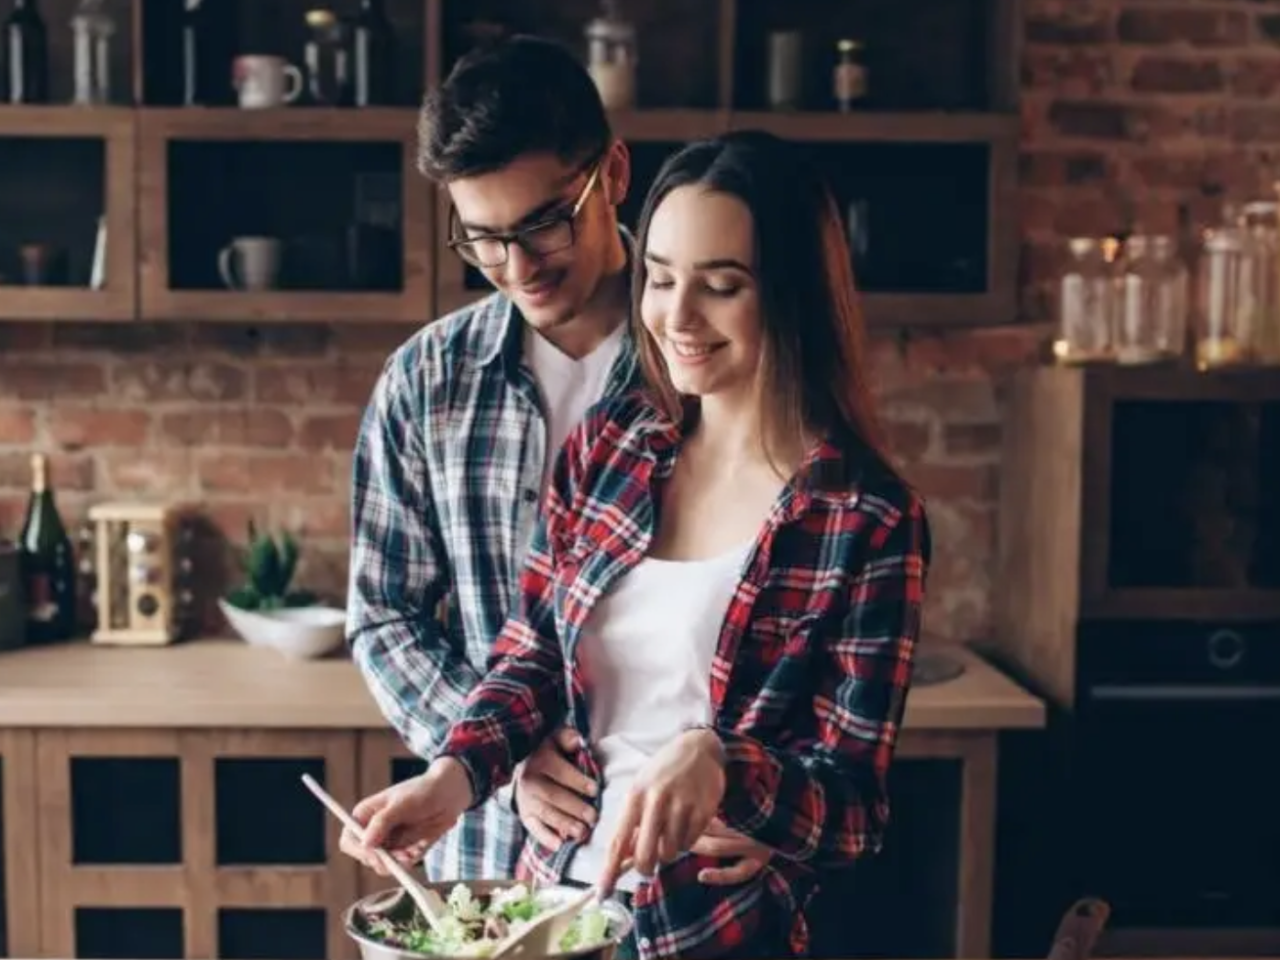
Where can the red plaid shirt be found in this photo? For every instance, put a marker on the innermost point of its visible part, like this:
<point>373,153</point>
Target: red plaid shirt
<point>808,684</point>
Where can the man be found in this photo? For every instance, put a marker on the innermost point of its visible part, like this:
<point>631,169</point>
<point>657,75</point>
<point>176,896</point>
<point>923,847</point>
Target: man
<point>464,423</point>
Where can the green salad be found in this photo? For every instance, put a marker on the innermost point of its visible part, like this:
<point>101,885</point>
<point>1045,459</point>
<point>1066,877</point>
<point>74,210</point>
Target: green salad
<point>476,923</point>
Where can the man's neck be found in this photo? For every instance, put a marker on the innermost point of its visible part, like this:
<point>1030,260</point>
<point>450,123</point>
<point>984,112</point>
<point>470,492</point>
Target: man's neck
<point>601,315</point>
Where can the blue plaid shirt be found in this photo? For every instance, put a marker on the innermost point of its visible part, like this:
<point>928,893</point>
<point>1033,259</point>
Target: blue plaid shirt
<point>447,483</point>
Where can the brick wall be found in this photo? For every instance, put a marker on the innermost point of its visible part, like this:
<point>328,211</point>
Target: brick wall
<point>1130,108</point>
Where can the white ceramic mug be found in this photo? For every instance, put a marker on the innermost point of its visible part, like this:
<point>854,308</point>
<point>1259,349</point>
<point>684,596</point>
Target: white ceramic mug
<point>264,81</point>
<point>250,263</point>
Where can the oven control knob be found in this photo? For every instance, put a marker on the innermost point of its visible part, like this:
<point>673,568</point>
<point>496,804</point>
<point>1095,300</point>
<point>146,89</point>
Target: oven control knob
<point>1226,649</point>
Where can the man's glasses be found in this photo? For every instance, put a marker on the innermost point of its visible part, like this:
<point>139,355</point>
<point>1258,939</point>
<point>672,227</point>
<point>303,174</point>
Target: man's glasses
<point>539,239</point>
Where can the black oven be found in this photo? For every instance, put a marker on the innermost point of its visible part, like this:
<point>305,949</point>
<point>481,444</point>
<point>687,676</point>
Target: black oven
<point>1178,772</point>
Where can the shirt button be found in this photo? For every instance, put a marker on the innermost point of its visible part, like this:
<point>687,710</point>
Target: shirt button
<point>529,495</point>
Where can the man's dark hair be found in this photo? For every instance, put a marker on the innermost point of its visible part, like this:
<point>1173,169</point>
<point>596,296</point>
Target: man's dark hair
<point>500,101</point>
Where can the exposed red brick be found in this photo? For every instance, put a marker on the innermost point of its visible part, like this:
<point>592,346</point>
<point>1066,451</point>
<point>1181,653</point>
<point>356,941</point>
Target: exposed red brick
<point>66,472</point>
<point>336,431</point>
<point>1062,168</point>
<point>264,473</point>
<point>971,439</point>
<point>17,425</point>
<point>1198,26</point>
<point>314,517</point>
<point>1073,24</point>
<point>1158,74</point>
<point>24,337</point>
<point>13,508</point>
<point>947,481</point>
<point>27,379</point>
<point>154,472</point>
<point>147,380</point>
<point>1069,71</point>
<point>246,427</point>
<point>907,439</point>
<point>94,427</point>
<point>1256,77</point>
<point>1251,124</point>
<point>310,383</point>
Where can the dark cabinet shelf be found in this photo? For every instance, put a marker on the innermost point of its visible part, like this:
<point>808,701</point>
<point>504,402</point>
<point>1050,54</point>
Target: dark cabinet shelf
<point>700,65</point>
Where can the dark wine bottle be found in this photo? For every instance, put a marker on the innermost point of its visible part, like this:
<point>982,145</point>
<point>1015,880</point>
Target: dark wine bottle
<point>26,55</point>
<point>372,48</point>
<point>48,563</point>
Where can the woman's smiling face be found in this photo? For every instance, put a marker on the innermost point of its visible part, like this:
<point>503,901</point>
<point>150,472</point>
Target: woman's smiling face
<point>700,300</point>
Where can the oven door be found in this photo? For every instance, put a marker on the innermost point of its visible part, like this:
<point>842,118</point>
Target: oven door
<point>1179,767</point>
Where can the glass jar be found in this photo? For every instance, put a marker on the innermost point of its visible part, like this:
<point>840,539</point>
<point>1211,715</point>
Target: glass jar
<point>326,59</point>
<point>849,80</point>
<point>1260,281</point>
<point>1087,301</point>
<point>1151,312</point>
<point>1220,335</point>
<point>612,57</point>
<point>92,29</point>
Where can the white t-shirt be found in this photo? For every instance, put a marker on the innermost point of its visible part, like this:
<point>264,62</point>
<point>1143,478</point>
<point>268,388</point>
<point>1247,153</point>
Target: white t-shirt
<point>568,387</point>
<point>648,647</point>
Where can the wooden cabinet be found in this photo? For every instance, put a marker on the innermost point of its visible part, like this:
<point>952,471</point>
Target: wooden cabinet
<point>183,843</point>
<point>925,169</point>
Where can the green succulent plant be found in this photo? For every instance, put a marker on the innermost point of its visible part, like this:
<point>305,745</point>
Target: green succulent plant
<point>269,566</point>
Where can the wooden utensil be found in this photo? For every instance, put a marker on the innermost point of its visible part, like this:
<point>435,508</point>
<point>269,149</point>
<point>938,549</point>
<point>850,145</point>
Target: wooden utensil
<point>428,901</point>
<point>541,936</point>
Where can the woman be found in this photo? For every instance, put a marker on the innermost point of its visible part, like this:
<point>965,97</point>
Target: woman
<point>724,597</point>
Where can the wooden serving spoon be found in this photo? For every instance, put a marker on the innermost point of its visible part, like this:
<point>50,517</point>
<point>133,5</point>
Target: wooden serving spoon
<point>430,903</point>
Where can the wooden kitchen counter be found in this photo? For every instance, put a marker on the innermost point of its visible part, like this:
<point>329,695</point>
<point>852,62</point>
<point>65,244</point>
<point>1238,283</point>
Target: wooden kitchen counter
<point>227,683</point>
<point>206,709</point>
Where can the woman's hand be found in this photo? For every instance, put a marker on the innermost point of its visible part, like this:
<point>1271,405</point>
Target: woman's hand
<point>670,805</point>
<point>723,842</point>
<point>408,817</point>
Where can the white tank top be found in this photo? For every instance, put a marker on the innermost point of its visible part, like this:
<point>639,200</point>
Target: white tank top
<point>646,652</point>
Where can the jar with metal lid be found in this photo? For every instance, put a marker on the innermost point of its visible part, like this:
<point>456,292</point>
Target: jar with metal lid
<point>1087,293</point>
<point>326,58</point>
<point>612,57</point>
<point>1151,313</point>
<point>849,80</point>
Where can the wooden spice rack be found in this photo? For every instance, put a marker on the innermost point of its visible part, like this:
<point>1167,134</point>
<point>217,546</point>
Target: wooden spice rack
<point>699,65</point>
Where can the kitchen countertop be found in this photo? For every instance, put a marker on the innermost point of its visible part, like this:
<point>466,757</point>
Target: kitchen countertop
<point>227,683</point>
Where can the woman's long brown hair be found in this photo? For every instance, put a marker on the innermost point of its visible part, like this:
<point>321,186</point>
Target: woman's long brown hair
<point>814,363</point>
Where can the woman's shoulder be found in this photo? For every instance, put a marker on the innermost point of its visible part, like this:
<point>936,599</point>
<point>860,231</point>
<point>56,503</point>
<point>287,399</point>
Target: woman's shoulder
<point>858,480</point>
<point>620,423</point>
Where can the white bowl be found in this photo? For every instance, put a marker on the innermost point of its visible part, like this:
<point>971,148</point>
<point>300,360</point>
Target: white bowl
<point>300,633</point>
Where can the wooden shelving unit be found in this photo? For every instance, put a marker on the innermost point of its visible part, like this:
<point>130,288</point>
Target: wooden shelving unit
<point>698,76</point>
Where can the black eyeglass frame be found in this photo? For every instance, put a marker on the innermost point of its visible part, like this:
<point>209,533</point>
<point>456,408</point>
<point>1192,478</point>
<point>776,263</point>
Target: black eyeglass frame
<point>520,236</point>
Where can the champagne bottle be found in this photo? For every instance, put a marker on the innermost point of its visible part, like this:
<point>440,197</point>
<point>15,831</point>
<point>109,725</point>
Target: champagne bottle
<point>48,564</point>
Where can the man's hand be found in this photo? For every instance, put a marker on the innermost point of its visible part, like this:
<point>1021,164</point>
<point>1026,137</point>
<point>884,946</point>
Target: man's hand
<point>550,792</point>
<point>720,841</point>
<point>410,816</point>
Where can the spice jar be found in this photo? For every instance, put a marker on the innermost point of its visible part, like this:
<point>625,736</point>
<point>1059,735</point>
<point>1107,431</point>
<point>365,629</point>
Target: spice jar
<point>611,57</point>
<point>849,80</point>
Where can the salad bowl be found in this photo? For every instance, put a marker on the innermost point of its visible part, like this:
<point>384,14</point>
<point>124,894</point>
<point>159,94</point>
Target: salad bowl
<point>377,922</point>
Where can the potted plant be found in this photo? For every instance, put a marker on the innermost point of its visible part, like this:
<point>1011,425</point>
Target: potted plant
<point>266,610</point>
